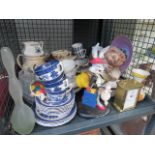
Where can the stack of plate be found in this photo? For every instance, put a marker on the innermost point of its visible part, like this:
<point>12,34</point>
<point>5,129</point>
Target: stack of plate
<point>59,106</point>
<point>52,114</point>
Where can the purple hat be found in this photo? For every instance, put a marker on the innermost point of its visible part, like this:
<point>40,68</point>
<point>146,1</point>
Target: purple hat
<point>123,43</point>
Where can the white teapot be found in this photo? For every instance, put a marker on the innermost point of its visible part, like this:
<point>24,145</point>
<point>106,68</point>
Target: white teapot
<point>32,48</point>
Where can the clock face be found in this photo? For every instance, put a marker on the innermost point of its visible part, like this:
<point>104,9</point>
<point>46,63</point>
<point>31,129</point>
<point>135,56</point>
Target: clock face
<point>131,98</point>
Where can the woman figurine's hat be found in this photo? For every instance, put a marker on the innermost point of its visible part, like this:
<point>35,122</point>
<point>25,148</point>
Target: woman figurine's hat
<point>123,43</point>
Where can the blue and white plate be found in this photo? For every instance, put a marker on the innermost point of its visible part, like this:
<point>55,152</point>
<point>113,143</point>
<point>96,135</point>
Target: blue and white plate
<point>54,115</point>
<point>55,111</point>
<point>52,123</point>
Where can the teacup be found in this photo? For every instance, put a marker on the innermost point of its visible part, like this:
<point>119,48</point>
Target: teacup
<point>49,71</point>
<point>64,105</point>
<point>81,53</point>
<point>48,103</point>
<point>77,47</point>
<point>58,96</point>
<point>54,81</point>
<point>58,86</point>
<point>78,50</point>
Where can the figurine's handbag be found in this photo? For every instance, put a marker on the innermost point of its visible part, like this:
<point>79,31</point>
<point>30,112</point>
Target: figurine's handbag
<point>89,99</point>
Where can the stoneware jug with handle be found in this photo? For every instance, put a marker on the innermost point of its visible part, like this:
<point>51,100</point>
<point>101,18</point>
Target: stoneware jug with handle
<point>32,48</point>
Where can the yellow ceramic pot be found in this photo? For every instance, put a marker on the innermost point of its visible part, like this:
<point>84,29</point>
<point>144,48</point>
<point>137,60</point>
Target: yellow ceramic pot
<point>82,80</point>
<point>140,73</point>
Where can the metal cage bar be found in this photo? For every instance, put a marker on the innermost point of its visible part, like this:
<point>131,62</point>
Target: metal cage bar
<point>61,34</point>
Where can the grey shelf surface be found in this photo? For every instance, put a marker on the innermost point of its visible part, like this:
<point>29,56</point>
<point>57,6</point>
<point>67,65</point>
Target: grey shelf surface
<point>79,124</point>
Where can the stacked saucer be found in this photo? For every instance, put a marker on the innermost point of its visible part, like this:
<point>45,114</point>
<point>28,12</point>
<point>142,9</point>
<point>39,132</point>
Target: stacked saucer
<point>59,106</point>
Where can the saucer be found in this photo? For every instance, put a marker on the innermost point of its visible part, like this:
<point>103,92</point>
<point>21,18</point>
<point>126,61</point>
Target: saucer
<point>54,115</point>
<point>51,123</point>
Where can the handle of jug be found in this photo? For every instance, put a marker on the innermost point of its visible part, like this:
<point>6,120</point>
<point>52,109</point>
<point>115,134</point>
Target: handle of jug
<point>19,60</point>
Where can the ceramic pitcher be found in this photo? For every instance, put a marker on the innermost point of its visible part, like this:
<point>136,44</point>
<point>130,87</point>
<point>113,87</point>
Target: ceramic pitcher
<point>32,48</point>
<point>27,63</point>
<point>32,54</point>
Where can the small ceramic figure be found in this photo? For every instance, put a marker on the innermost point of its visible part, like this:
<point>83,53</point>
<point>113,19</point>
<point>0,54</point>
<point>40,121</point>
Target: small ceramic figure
<point>95,50</point>
<point>97,59</point>
<point>104,94</point>
<point>98,71</point>
<point>37,89</point>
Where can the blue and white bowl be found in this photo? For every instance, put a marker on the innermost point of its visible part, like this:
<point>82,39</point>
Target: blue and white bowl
<point>57,96</point>
<point>49,103</point>
<point>57,86</point>
<point>53,114</point>
<point>53,123</point>
<point>55,81</point>
<point>55,110</point>
<point>49,71</point>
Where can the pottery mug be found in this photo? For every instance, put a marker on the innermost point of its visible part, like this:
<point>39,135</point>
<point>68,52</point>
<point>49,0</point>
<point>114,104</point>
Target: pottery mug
<point>28,62</point>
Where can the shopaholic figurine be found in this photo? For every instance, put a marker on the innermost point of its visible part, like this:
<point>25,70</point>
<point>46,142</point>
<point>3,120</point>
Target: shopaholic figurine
<point>37,89</point>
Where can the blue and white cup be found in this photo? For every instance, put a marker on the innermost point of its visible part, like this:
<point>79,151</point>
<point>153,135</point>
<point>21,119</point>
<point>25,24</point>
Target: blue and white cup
<point>58,96</point>
<point>49,71</point>
<point>78,50</point>
<point>57,87</point>
<point>49,103</point>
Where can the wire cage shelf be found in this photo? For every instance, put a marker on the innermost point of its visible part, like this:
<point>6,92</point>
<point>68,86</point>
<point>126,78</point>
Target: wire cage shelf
<point>61,34</point>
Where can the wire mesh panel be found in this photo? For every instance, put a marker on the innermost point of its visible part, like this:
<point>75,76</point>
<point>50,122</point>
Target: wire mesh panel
<point>56,34</point>
<point>141,33</point>
<point>87,31</point>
